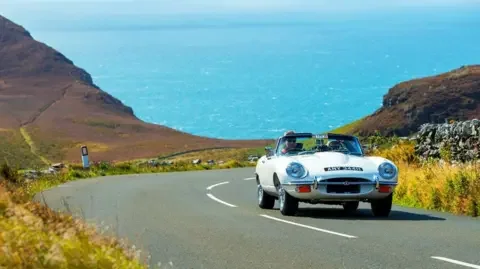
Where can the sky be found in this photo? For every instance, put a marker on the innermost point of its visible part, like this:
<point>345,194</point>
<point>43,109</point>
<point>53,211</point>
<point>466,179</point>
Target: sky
<point>52,14</point>
<point>75,7</point>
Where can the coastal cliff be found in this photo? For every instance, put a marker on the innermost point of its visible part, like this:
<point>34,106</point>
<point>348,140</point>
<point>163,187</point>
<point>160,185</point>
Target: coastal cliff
<point>49,108</point>
<point>452,95</point>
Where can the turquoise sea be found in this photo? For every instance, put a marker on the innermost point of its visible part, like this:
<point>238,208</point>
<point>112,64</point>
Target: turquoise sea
<point>254,76</point>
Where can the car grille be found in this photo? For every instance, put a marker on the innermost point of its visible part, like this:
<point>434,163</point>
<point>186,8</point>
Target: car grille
<point>343,188</point>
<point>342,184</point>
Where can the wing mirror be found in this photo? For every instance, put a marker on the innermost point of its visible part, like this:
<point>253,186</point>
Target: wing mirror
<point>268,151</point>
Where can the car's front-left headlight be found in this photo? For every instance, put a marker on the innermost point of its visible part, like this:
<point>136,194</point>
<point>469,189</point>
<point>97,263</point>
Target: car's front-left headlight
<point>296,170</point>
<point>387,170</point>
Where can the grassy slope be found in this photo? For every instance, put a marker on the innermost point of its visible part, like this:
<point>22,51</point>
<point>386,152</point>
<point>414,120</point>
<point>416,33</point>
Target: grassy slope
<point>32,236</point>
<point>33,147</point>
<point>349,128</point>
<point>14,149</point>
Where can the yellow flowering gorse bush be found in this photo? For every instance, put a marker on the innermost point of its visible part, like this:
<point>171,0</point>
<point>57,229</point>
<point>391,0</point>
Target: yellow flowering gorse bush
<point>436,185</point>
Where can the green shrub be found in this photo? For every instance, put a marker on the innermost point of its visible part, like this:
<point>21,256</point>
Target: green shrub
<point>9,174</point>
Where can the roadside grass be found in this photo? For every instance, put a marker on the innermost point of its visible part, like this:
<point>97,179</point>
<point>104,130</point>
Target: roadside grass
<point>33,236</point>
<point>234,158</point>
<point>434,184</point>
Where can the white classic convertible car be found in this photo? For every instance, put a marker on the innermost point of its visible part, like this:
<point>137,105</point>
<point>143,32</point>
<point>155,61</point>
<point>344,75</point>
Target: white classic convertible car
<point>326,168</point>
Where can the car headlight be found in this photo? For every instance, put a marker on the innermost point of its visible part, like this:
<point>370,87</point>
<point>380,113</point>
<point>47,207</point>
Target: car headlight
<point>387,170</point>
<point>296,170</point>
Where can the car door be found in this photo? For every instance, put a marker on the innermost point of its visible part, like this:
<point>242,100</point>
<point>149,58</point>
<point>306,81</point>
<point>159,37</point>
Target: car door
<point>265,170</point>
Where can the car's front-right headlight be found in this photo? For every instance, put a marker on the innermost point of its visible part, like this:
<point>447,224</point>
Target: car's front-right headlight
<point>387,170</point>
<point>296,170</point>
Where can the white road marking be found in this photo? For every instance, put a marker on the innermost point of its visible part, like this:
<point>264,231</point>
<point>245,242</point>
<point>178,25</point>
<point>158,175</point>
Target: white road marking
<point>214,185</point>
<point>249,178</point>
<point>309,227</point>
<point>457,262</point>
<point>215,198</point>
<point>220,201</point>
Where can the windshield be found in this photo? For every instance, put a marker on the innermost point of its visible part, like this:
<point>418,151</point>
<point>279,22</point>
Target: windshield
<point>297,145</point>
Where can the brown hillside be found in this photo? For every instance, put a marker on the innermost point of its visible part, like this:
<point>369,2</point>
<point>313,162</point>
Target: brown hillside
<point>451,95</point>
<point>49,107</point>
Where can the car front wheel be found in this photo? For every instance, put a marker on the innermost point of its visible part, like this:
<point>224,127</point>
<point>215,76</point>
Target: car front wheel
<point>265,200</point>
<point>382,207</point>
<point>288,203</point>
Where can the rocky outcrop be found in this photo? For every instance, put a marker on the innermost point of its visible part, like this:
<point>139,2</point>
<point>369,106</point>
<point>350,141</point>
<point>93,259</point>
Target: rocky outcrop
<point>458,141</point>
<point>435,99</point>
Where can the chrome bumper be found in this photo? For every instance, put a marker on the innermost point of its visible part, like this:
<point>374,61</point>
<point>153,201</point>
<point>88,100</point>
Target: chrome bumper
<point>374,189</point>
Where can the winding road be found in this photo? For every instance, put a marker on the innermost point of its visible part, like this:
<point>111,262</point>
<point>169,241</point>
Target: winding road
<point>210,219</point>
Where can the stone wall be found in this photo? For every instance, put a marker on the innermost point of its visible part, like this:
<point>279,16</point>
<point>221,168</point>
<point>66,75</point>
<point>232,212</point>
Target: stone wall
<point>457,141</point>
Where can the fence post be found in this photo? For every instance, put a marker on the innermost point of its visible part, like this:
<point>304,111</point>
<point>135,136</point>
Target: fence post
<point>85,157</point>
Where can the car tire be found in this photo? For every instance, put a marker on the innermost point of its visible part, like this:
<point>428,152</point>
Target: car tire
<point>288,203</point>
<point>265,200</point>
<point>350,207</point>
<point>382,207</point>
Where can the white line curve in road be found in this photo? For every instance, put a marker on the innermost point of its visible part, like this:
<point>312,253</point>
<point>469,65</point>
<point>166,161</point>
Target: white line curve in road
<point>220,201</point>
<point>309,227</point>
<point>215,198</point>
<point>249,178</point>
<point>218,184</point>
<point>456,262</point>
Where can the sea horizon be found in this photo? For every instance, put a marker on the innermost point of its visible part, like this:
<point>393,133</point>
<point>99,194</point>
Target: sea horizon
<point>253,77</point>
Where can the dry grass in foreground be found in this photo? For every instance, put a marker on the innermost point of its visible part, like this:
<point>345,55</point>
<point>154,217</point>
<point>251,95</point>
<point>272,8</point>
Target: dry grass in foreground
<point>434,185</point>
<point>33,236</point>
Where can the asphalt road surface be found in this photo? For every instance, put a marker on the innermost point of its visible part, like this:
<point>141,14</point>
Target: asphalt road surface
<point>210,219</point>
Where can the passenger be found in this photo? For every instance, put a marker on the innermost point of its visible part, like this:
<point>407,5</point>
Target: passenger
<point>336,145</point>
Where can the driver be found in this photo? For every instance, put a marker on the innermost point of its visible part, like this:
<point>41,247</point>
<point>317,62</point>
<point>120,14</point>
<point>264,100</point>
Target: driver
<point>290,143</point>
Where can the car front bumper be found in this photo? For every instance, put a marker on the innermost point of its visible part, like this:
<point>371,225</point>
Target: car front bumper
<point>339,191</point>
